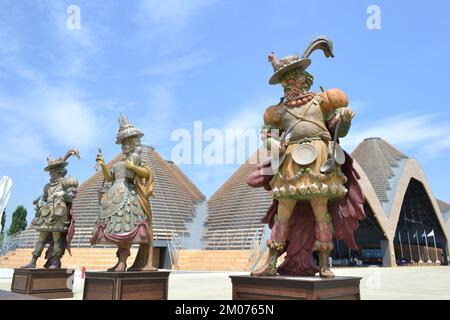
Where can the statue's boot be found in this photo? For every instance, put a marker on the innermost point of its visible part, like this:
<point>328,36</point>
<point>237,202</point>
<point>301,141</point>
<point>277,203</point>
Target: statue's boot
<point>325,271</point>
<point>36,254</point>
<point>324,246</point>
<point>112,269</point>
<point>276,245</point>
<point>32,263</point>
<point>139,261</point>
<point>270,266</point>
<point>144,257</point>
<point>54,262</point>
<point>148,266</point>
<point>123,254</point>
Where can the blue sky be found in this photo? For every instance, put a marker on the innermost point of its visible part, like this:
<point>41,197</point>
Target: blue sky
<point>166,64</point>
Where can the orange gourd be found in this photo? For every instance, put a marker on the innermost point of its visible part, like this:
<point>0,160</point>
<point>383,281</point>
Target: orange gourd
<point>272,116</point>
<point>333,98</point>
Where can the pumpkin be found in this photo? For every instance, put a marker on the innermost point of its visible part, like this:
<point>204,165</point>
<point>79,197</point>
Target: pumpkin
<point>333,98</point>
<point>272,116</point>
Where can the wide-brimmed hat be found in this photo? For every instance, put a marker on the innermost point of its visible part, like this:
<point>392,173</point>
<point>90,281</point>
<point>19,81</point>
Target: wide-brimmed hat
<point>62,161</point>
<point>127,130</point>
<point>286,64</point>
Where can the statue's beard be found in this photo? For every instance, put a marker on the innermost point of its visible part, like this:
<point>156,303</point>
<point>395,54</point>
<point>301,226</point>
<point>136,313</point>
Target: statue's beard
<point>55,179</point>
<point>293,91</point>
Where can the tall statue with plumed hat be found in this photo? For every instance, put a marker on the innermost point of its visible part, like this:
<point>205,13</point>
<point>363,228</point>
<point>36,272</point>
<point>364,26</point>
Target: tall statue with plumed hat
<point>316,195</point>
<point>125,216</point>
<point>55,219</point>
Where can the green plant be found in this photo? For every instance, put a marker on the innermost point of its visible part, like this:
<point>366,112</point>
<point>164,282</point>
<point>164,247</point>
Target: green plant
<point>19,220</point>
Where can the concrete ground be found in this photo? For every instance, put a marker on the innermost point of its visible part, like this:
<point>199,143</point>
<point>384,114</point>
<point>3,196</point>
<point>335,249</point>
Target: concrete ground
<point>402,283</point>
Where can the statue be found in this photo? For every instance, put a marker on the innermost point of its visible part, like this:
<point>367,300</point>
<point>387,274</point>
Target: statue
<point>54,214</point>
<point>314,186</point>
<point>125,216</point>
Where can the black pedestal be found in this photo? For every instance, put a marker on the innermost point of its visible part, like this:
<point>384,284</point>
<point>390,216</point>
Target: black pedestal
<point>45,283</point>
<point>128,285</point>
<point>297,288</point>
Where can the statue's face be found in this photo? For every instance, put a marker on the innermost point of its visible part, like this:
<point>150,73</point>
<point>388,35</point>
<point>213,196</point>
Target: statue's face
<point>58,172</point>
<point>127,146</point>
<point>130,144</point>
<point>293,79</point>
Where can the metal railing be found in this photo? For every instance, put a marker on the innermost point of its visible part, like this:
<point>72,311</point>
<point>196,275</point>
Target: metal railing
<point>229,239</point>
<point>174,245</point>
<point>254,242</point>
<point>256,255</point>
<point>10,243</point>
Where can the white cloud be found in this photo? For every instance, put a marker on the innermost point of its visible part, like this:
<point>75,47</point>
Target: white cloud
<point>39,116</point>
<point>45,118</point>
<point>19,143</point>
<point>428,134</point>
<point>250,115</point>
<point>74,47</point>
<point>171,15</point>
<point>169,25</point>
<point>246,123</point>
<point>180,64</point>
<point>72,122</point>
<point>157,116</point>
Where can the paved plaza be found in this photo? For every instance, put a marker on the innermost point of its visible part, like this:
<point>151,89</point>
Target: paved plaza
<point>402,283</point>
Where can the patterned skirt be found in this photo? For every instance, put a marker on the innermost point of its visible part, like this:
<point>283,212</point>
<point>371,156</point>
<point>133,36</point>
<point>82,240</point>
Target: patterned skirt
<point>305,182</point>
<point>121,218</point>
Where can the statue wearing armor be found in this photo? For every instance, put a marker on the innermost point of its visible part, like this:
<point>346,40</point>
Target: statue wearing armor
<point>54,215</point>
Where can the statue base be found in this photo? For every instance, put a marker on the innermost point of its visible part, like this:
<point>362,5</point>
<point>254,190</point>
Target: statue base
<point>295,288</point>
<point>128,285</point>
<point>44,283</point>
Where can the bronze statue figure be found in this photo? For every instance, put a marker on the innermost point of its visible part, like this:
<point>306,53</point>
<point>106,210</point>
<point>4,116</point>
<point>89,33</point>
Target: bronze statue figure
<point>125,216</point>
<point>54,214</point>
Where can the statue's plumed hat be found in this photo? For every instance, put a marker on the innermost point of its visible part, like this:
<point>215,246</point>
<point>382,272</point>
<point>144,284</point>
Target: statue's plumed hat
<point>286,64</point>
<point>62,161</point>
<point>127,130</point>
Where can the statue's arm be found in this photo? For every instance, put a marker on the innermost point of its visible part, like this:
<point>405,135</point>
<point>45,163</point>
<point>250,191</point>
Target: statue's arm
<point>38,203</point>
<point>70,190</point>
<point>106,172</point>
<point>44,196</point>
<point>141,171</point>
<point>272,125</point>
<point>334,104</point>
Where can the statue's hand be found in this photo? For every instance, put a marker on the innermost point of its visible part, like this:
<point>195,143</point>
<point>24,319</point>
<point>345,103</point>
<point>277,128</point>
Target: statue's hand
<point>284,145</point>
<point>34,222</point>
<point>347,114</point>
<point>100,160</point>
<point>36,201</point>
<point>129,164</point>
